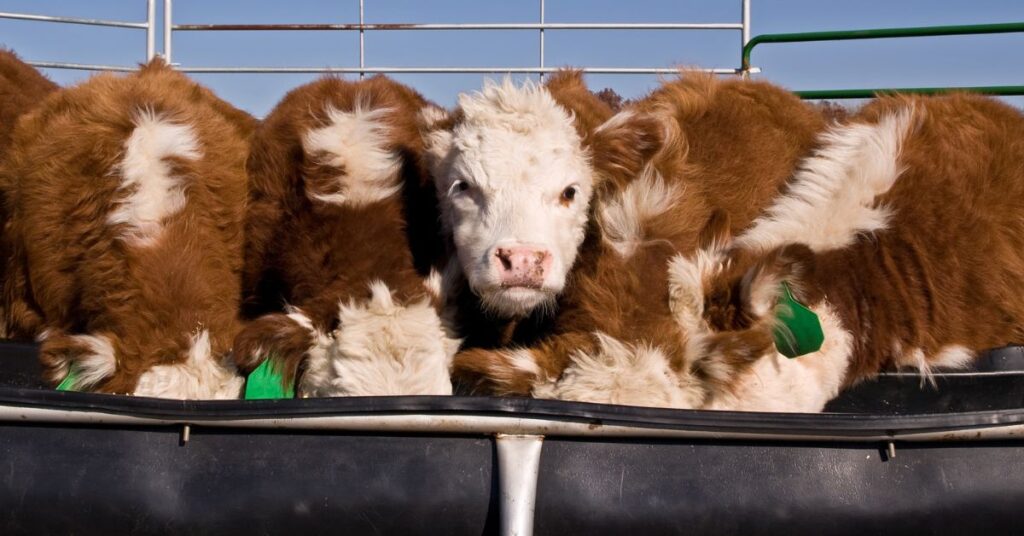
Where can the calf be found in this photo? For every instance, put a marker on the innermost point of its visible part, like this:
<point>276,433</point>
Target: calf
<point>516,229</point>
<point>22,88</point>
<point>616,204</point>
<point>126,197</point>
<point>341,235</point>
<point>902,232</point>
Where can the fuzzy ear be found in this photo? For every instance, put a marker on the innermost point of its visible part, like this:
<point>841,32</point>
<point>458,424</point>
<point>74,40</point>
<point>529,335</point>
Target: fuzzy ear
<point>761,285</point>
<point>623,146</point>
<point>748,288</point>
<point>435,125</point>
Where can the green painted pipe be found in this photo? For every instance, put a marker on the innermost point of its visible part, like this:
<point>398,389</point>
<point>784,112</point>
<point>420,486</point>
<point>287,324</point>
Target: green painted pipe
<point>882,33</point>
<point>870,93</point>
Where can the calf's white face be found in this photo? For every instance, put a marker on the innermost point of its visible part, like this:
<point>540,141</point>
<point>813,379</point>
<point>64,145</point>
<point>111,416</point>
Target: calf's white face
<point>514,183</point>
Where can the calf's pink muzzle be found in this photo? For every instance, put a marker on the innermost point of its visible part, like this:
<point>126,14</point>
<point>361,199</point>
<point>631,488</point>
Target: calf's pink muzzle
<point>521,266</point>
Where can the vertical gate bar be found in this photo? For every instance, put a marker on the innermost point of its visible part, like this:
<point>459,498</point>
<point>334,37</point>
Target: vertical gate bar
<point>168,28</point>
<point>150,29</point>
<point>362,46</point>
<point>745,69</point>
<point>542,41</point>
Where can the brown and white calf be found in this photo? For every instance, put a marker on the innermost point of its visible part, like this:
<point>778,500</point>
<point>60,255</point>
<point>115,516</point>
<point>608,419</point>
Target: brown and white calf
<point>22,88</point>
<point>644,183</point>
<point>902,231</point>
<point>126,197</point>
<point>341,239</point>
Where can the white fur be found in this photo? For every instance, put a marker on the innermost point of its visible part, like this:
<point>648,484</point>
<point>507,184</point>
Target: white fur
<point>518,151</point>
<point>200,376</point>
<point>153,192</point>
<point>949,357</point>
<point>355,141</point>
<point>381,348</point>
<point>832,197</point>
<point>299,317</point>
<point>623,218</point>
<point>522,359</point>
<point>95,366</point>
<point>803,384</point>
<point>430,116</point>
<point>617,373</point>
<point>953,357</point>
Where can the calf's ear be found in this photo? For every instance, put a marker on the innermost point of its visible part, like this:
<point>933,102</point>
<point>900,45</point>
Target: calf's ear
<point>435,125</point>
<point>623,145</point>
<point>761,286</point>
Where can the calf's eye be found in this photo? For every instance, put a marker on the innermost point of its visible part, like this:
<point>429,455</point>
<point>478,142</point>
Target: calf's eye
<point>458,187</point>
<point>569,194</point>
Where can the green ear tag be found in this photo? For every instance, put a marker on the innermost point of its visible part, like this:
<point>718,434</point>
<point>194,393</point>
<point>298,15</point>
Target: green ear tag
<point>800,332</point>
<point>69,381</point>
<point>266,383</point>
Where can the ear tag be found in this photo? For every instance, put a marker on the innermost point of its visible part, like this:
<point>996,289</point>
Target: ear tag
<point>69,381</point>
<point>800,331</point>
<point>266,383</point>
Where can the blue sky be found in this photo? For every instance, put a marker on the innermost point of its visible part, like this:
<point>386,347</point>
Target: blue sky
<point>943,61</point>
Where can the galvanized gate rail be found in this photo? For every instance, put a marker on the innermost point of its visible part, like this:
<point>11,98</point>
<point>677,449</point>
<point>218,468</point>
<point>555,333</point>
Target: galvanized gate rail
<point>170,29</point>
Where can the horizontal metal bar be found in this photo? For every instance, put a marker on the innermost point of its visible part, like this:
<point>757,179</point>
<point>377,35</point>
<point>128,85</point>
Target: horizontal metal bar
<point>81,66</point>
<point>870,93</point>
<point>492,424</point>
<point>467,26</point>
<point>447,70</point>
<point>73,20</point>
<point>880,33</point>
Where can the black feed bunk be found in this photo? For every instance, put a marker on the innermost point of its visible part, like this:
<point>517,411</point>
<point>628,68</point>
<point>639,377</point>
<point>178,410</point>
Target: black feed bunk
<point>888,456</point>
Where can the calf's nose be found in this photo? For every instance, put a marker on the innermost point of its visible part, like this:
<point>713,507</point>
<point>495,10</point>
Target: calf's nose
<point>521,266</point>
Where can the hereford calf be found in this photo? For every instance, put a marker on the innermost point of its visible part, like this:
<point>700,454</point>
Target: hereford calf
<point>22,88</point>
<point>341,237</point>
<point>615,203</point>
<point>126,197</point>
<point>903,232</point>
<point>491,308</point>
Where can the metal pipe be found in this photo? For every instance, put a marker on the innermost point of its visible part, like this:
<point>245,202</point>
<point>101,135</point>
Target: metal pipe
<point>871,93</point>
<point>484,424</point>
<point>880,33</point>
<point>362,45</point>
<point>746,22</point>
<point>441,70</point>
<point>72,20</point>
<point>518,465</point>
<point>542,39</point>
<point>168,29</point>
<point>745,36</point>
<point>150,29</point>
<point>467,26</point>
<point>81,66</point>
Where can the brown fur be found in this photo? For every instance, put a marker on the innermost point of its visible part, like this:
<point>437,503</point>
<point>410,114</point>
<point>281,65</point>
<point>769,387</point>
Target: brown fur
<point>313,255</point>
<point>22,88</point>
<point>71,271</point>
<point>728,146</point>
